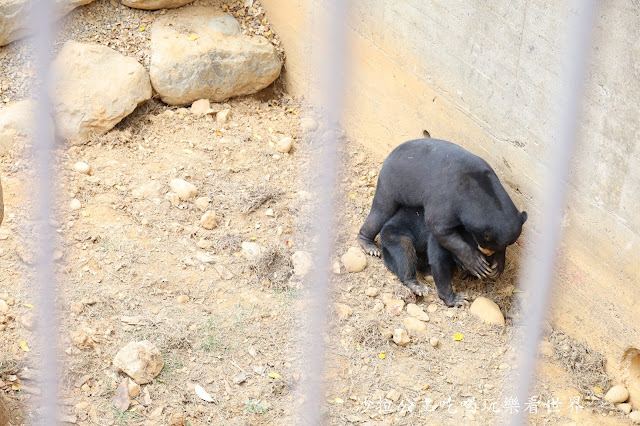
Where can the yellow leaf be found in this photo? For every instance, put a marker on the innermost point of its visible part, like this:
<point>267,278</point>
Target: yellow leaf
<point>293,111</point>
<point>258,137</point>
<point>253,238</point>
<point>339,401</point>
<point>274,375</point>
<point>15,386</point>
<point>358,347</point>
<point>143,28</point>
<point>270,130</point>
<point>382,355</point>
<point>24,346</point>
<point>29,305</point>
<point>458,336</point>
<point>352,195</point>
<point>187,151</point>
<point>597,389</point>
<point>192,37</point>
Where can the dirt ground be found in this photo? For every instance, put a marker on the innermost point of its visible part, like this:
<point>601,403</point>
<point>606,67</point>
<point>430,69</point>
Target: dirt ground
<point>133,263</point>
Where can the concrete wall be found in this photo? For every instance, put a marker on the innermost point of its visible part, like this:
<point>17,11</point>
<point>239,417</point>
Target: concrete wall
<point>486,75</point>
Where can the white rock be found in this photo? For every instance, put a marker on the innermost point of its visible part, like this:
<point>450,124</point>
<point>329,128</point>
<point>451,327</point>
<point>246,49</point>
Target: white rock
<point>372,291</point>
<point>285,145</point>
<point>434,342</point>
<point>394,306</point>
<point>343,311</point>
<point>625,408</point>
<point>546,348</point>
<point>415,325</point>
<point>201,53</point>
<point>184,189</point>
<point>617,394</point>
<point>94,88</point>
<point>336,267</point>
<point>208,220</point>
<point>203,203</point>
<point>308,124</point>
<point>354,260</point>
<point>378,307</point>
<point>302,263</point>
<point>204,257</point>
<point>393,395</point>
<point>82,167</point>
<point>15,17</point>
<point>141,361</point>
<point>4,307</point>
<point>183,298</point>
<point>201,106</point>
<point>17,125</point>
<point>223,116</point>
<point>487,310</point>
<point>251,250</point>
<point>400,337</point>
<point>635,417</point>
<point>432,308</point>
<point>417,312</point>
<point>75,204</point>
<point>155,4</point>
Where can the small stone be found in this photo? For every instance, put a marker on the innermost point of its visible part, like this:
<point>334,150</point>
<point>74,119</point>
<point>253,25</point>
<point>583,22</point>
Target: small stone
<point>184,189</point>
<point>208,220</point>
<point>82,167</point>
<point>251,250</point>
<point>635,417</point>
<point>372,291</point>
<point>625,408</point>
<point>302,263</point>
<point>4,307</point>
<point>400,337</point>
<point>354,260</point>
<point>240,378</point>
<point>395,306</point>
<point>81,406</point>
<point>28,321</point>
<point>386,297</point>
<point>432,308</point>
<point>204,257</point>
<point>393,395</point>
<point>173,199</point>
<point>503,366</point>
<point>141,361</point>
<point>489,386</point>
<point>415,325</point>
<point>183,298</point>
<point>223,116</point>
<point>75,204</point>
<point>285,145</point>
<point>144,221</point>
<point>546,348</point>
<point>201,107</point>
<point>308,124</point>
<point>336,267</point>
<point>487,310</point>
<point>617,394</point>
<point>134,389</point>
<point>177,419</point>
<point>77,308</point>
<point>269,212</point>
<point>204,244</point>
<point>417,312</point>
<point>434,342</point>
<point>343,311</point>
<point>203,203</point>
<point>378,307</point>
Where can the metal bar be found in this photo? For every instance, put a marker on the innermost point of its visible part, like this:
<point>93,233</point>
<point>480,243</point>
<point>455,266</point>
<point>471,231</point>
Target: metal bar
<point>537,274</point>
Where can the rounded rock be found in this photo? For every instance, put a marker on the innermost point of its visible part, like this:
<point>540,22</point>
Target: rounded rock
<point>208,220</point>
<point>75,204</point>
<point>302,263</point>
<point>415,325</point>
<point>141,361</point>
<point>285,145</point>
<point>82,167</point>
<point>4,307</point>
<point>417,312</point>
<point>308,124</point>
<point>400,337</point>
<point>434,342</point>
<point>487,310</point>
<point>635,417</point>
<point>372,291</point>
<point>183,298</point>
<point>354,260</point>
<point>184,189</point>
<point>617,394</point>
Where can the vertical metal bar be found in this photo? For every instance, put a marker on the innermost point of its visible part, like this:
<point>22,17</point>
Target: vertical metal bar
<point>329,53</point>
<point>538,269</point>
<point>41,19</point>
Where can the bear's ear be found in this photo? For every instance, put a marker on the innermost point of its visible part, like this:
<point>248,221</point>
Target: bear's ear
<point>523,217</point>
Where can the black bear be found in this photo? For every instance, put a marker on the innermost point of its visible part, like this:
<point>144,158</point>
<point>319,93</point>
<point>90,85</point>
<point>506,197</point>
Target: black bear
<point>465,210</point>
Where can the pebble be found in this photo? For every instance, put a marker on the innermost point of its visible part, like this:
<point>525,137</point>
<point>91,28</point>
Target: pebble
<point>223,116</point>
<point>400,337</point>
<point>285,145</point>
<point>354,260</point>
<point>4,307</point>
<point>417,312</point>
<point>414,324</point>
<point>81,406</point>
<point>386,297</point>
<point>308,124</point>
<point>82,167</point>
<point>251,250</point>
<point>343,311</point>
<point>75,204</point>
<point>203,203</point>
<point>395,306</point>
<point>336,267</point>
<point>635,417</point>
<point>183,298</point>
<point>503,366</point>
<point>434,342</point>
<point>184,189</point>
<point>204,244</point>
<point>208,220</point>
<point>432,308</point>
<point>201,107</point>
<point>393,395</point>
<point>372,291</point>
<point>546,348</point>
<point>302,263</point>
<point>378,307</point>
<point>625,408</point>
<point>134,389</point>
<point>617,394</point>
<point>487,310</point>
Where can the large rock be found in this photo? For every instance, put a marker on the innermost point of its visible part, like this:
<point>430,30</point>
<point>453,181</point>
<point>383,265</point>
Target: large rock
<point>487,310</point>
<point>155,4</point>
<point>15,17</point>
<point>201,53</point>
<point>141,361</point>
<point>16,125</point>
<point>94,88</point>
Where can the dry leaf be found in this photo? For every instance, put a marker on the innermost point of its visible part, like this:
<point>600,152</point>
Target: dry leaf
<point>203,394</point>
<point>274,375</point>
<point>192,37</point>
<point>121,400</point>
<point>28,305</point>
